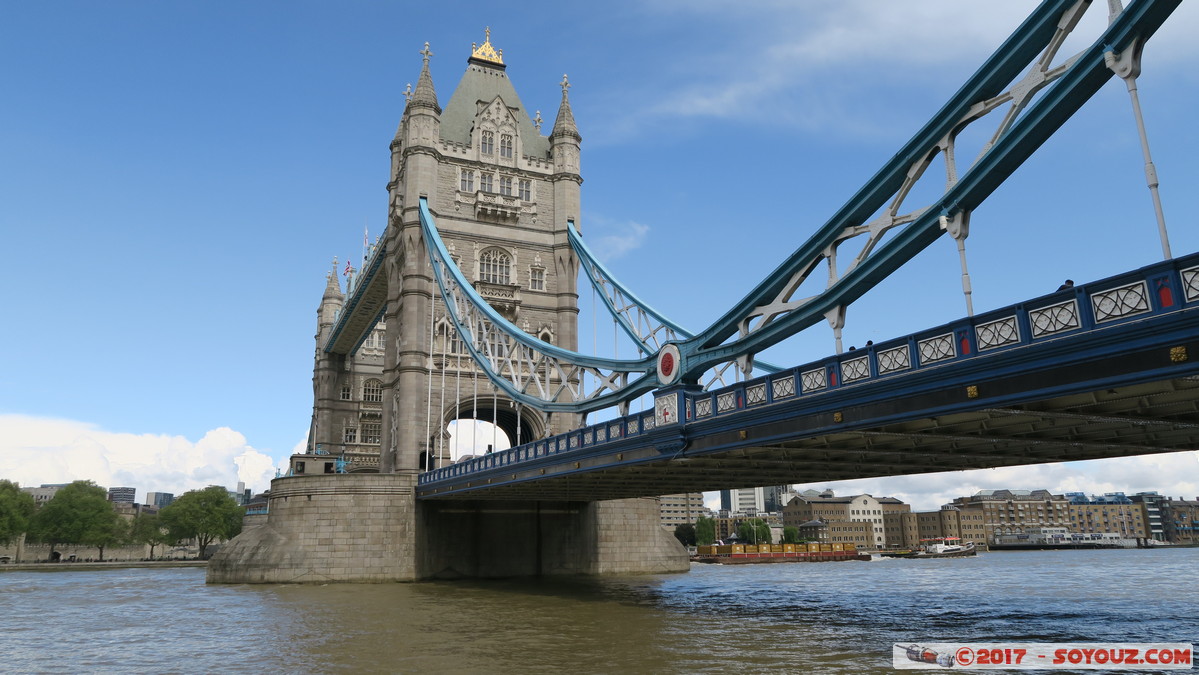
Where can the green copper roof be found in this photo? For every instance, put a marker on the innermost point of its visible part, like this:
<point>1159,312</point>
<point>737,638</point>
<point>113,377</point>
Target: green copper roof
<point>483,82</point>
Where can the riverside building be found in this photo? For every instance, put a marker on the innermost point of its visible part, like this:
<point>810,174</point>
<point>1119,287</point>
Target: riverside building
<point>1180,520</point>
<point>681,509</point>
<point>858,519</point>
<point>1112,513</point>
<point>1013,511</point>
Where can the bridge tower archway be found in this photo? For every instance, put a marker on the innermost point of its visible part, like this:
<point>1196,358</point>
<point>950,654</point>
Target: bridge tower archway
<point>516,425</point>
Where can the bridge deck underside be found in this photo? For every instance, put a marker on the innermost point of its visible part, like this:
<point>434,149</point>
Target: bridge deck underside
<point>362,311</point>
<point>1135,420</point>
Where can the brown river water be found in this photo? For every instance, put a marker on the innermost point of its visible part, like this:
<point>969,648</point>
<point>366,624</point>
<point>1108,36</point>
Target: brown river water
<point>781,618</point>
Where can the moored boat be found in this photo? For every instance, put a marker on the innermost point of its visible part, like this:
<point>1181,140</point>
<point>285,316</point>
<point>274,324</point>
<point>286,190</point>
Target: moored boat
<point>940,547</point>
<point>743,554</point>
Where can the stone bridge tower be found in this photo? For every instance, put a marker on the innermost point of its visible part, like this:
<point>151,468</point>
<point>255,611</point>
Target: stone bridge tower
<point>502,194</point>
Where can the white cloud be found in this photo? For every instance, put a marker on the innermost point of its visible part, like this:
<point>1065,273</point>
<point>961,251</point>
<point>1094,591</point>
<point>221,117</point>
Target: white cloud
<point>472,437</point>
<point>37,450</point>
<point>1175,474</point>
<point>610,239</point>
<point>831,65</point>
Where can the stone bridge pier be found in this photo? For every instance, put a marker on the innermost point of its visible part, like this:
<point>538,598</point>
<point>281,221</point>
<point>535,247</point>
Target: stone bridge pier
<point>370,528</point>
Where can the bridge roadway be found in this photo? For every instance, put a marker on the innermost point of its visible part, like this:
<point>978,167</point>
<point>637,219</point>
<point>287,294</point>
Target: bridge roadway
<point>1107,369</point>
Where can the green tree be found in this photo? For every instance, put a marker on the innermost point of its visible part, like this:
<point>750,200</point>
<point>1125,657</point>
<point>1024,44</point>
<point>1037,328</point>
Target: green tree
<point>685,533</point>
<point>705,531</point>
<point>147,529</point>
<point>205,515</point>
<point>754,531</point>
<point>16,511</point>
<point>115,535</point>
<point>79,514</point>
<point>790,534</point>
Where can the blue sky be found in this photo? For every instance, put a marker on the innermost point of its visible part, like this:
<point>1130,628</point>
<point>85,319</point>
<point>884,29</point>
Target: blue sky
<point>175,179</point>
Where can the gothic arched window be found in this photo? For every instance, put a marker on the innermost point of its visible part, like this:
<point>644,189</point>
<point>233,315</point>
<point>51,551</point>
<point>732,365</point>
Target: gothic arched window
<point>487,142</point>
<point>372,391</point>
<point>506,145</point>
<point>495,266</point>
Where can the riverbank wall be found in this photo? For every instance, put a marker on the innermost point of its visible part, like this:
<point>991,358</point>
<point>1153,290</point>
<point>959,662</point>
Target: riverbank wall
<point>82,566</point>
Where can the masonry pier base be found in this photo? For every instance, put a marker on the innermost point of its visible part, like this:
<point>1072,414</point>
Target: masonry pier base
<point>370,528</point>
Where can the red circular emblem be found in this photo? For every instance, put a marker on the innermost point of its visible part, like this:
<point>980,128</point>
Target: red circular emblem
<point>667,366</point>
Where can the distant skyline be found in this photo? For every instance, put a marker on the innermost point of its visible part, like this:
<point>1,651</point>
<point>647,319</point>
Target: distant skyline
<point>178,177</point>
<point>712,501</point>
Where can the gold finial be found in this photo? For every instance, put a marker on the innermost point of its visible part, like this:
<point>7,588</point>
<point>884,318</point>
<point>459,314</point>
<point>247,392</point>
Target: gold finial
<point>486,52</point>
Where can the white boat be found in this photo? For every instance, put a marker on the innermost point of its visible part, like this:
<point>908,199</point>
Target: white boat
<point>940,547</point>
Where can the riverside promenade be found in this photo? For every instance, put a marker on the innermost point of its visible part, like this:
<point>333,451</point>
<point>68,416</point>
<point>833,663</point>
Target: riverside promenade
<point>77,566</point>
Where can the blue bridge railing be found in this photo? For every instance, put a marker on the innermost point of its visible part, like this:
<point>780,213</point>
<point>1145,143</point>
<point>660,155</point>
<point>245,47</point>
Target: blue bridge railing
<point>1164,287</point>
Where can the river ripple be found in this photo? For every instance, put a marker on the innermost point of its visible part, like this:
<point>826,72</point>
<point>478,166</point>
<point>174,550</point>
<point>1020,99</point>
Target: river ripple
<point>787,618</point>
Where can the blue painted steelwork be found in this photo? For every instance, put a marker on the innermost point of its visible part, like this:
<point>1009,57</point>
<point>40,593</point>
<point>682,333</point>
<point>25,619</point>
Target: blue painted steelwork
<point>1114,310</point>
<point>525,368</point>
<point>366,276</point>
<point>612,291</point>
<point>768,315</point>
<point>601,278</point>
<point>1040,120</point>
<point>1061,93</point>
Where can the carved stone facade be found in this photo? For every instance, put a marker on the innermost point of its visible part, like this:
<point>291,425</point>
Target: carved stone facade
<point>502,194</point>
<point>347,413</point>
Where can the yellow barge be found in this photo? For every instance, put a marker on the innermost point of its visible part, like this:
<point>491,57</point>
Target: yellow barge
<point>742,554</point>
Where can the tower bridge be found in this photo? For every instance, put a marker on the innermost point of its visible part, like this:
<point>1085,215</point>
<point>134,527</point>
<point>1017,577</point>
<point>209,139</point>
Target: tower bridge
<point>474,287</point>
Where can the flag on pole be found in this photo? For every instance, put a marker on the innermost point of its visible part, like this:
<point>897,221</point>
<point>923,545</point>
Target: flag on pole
<point>348,269</point>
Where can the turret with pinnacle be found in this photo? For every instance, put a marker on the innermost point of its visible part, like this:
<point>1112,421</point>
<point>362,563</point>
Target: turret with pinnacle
<point>502,192</point>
